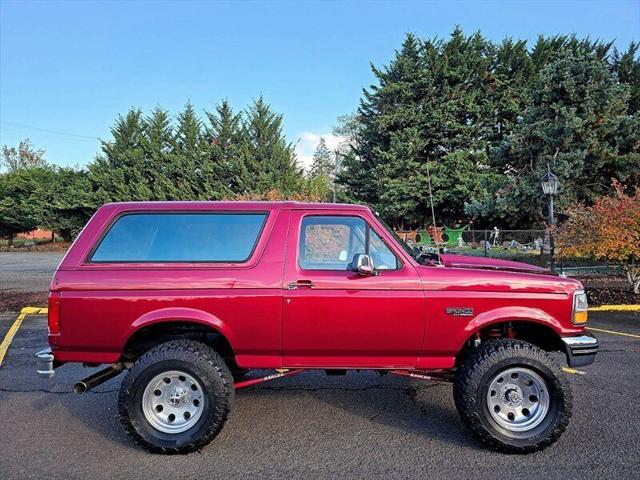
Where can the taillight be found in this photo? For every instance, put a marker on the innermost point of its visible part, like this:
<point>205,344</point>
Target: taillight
<point>54,313</point>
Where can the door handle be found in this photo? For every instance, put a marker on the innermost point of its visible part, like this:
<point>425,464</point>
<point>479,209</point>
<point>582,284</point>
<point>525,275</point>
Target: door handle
<point>301,284</point>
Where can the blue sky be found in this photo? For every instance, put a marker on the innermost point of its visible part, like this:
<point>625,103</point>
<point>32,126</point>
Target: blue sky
<point>68,68</point>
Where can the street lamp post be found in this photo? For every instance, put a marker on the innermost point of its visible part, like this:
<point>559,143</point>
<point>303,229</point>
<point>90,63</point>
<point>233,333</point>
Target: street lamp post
<point>550,188</point>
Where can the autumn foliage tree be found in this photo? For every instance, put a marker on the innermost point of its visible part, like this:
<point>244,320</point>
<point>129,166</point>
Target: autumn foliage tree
<point>609,230</point>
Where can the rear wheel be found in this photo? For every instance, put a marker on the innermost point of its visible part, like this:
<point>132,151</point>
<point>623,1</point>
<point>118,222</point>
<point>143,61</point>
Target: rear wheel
<point>512,396</point>
<point>176,397</point>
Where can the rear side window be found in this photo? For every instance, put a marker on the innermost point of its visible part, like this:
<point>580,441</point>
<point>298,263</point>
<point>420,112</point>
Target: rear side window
<point>181,237</point>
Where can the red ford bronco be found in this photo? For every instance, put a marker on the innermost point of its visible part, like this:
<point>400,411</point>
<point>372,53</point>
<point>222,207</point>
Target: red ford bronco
<point>187,297</point>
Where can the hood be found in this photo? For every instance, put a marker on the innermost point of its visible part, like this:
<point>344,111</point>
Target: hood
<point>464,261</point>
<point>481,274</point>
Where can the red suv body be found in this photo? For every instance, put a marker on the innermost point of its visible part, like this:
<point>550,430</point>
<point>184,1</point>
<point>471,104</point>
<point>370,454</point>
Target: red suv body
<point>276,285</point>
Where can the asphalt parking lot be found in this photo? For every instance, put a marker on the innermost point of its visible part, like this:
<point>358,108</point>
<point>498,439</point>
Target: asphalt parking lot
<point>27,271</point>
<point>311,426</point>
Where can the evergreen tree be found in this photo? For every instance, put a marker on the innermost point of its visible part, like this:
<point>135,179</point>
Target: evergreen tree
<point>578,108</point>
<point>227,168</point>
<point>17,213</point>
<point>63,204</point>
<point>121,172</point>
<point>383,167</point>
<point>191,160</point>
<point>511,76</point>
<point>485,118</point>
<point>158,149</point>
<point>627,66</point>
<point>35,194</point>
<point>322,171</point>
<point>268,157</point>
<point>323,164</point>
<point>429,110</point>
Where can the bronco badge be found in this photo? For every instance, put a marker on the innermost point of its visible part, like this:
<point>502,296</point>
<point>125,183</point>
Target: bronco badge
<point>460,311</point>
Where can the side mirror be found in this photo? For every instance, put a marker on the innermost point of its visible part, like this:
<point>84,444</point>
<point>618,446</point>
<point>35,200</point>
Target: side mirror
<point>363,264</point>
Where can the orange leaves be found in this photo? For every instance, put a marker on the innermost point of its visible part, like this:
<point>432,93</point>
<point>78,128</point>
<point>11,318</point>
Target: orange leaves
<point>608,230</point>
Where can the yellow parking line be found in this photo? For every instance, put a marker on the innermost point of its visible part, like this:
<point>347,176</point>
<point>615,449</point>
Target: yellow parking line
<point>4,346</point>
<point>613,333</point>
<point>615,308</point>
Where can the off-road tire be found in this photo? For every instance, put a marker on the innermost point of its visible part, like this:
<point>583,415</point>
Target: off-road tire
<point>237,372</point>
<point>471,387</point>
<point>197,360</point>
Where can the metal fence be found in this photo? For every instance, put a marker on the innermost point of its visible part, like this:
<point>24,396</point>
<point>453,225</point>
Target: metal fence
<point>528,246</point>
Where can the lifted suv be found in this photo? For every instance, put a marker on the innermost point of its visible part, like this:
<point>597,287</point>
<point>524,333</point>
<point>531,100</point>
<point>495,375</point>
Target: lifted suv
<point>187,297</point>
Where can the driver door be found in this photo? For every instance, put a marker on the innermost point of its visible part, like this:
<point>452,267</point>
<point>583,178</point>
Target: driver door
<point>335,317</point>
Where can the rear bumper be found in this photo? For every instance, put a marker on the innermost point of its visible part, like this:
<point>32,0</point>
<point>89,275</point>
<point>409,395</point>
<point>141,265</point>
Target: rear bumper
<point>581,350</point>
<point>45,363</point>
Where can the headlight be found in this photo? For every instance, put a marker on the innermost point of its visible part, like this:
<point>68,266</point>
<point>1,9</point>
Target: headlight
<point>580,307</point>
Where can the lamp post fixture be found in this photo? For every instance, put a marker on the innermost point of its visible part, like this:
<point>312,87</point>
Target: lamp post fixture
<point>550,188</point>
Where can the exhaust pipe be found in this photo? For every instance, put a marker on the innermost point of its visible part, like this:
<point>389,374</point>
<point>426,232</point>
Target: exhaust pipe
<point>97,378</point>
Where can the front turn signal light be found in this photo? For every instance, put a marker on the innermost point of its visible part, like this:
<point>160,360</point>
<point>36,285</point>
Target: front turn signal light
<point>580,308</point>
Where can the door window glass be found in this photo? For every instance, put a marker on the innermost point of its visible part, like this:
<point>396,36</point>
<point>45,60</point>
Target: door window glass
<point>383,258</point>
<point>330,242</point>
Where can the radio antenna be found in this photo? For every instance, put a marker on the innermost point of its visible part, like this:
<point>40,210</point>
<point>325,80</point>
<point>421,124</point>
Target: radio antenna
<point>433,214</point>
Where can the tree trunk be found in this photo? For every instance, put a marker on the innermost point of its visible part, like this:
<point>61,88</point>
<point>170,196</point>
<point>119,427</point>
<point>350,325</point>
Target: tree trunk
<point>65,233</point>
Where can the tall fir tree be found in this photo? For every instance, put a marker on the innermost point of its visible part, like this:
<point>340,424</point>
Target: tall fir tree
<point>191,159</point>
<point>627,66</point>
<point>269,158</point>
<point>120,172</point>
<point>224,134</point>
<point>322,171</point>
<point>578,109</point>
<point>460,106</point>
<point>429,112</point>
<point>158,150</point>
<point>323,163</point>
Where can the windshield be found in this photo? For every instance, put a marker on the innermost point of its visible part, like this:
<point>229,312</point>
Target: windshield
<point>410,250</point>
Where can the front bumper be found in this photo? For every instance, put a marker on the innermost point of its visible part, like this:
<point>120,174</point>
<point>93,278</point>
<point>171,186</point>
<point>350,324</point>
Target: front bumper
<point>581,350</point>
<point>45,363</point>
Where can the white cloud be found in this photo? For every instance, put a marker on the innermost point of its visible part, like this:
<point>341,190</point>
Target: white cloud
<point>307,143</point>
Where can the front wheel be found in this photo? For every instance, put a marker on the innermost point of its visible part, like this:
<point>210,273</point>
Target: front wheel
<point>512,396</point>
<point>176,397</point>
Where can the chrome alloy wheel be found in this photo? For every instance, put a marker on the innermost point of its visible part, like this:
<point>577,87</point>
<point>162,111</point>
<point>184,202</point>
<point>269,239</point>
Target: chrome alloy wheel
<point>518,399</point>
<point>173,402</point>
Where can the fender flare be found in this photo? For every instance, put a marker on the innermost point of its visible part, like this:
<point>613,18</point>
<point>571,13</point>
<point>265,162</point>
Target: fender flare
<point>511,314</point>
<point>179,314</point>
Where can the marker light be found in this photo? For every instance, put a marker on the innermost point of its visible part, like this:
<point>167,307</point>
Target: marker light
<point>580,307</point>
